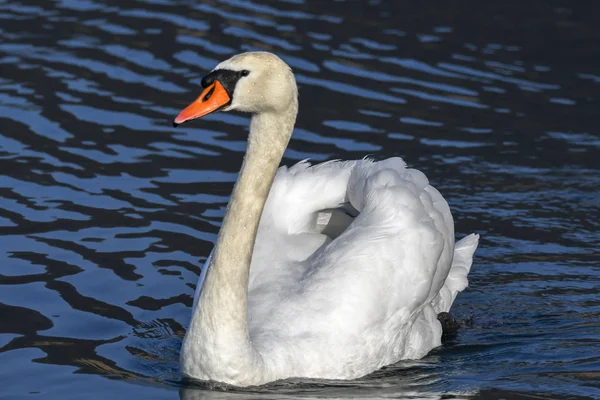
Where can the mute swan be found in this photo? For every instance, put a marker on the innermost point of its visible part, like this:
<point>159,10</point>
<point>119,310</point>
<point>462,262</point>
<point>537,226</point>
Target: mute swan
<point>295,287</point>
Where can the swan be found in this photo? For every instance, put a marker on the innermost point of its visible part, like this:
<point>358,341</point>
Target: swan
<point>327,271</point>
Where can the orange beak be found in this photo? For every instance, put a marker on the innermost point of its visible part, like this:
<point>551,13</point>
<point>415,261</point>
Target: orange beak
<point>211,99</point>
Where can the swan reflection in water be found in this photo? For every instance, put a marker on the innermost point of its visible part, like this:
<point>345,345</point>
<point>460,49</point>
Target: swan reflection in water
<point>410,379</point>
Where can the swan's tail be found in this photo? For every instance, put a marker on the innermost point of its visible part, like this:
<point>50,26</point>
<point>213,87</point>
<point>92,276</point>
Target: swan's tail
<point>457,278</point>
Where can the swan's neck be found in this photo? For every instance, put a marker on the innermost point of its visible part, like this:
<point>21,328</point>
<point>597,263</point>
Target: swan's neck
<point>219,322</point>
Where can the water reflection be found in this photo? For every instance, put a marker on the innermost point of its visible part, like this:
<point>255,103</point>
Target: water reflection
<point>408,379</point>
<point>107,213</point>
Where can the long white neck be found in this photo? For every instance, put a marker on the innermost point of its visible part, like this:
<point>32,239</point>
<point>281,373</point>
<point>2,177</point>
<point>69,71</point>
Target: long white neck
<point>217,345</point>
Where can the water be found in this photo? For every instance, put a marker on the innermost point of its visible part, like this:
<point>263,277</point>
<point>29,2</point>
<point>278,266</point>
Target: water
<point>107,212</point>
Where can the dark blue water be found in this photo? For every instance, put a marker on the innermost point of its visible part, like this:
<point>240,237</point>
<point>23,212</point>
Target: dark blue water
<point>107,212</point>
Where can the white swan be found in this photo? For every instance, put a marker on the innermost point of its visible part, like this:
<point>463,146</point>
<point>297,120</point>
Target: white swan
<point>297,287</point>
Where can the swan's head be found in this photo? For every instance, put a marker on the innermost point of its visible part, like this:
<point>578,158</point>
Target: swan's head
<point>255,82</point>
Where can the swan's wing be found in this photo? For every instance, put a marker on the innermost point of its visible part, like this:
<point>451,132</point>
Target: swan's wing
<point>402,210</point>
<point>398,251</point>
<point>372,288</point>
<point>304,199</point>
<point>299,193</point>
<point>376,288</point>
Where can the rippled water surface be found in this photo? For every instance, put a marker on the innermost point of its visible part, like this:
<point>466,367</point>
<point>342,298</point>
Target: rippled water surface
<point>107,212</point>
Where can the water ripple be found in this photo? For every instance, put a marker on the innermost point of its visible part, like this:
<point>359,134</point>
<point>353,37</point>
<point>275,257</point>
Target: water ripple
<point>107,213</point>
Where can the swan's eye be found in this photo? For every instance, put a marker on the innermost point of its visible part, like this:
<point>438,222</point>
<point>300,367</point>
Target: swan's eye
<point>245,72</point>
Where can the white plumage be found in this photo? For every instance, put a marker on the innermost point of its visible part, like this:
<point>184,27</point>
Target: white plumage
<point>351,264</point>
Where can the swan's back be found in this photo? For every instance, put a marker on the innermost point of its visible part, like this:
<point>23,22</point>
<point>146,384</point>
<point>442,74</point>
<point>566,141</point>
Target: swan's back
<point>344,306</point>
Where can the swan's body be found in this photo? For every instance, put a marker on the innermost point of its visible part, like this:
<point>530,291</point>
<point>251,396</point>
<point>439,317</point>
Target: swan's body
<point>297,288</point>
